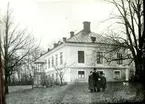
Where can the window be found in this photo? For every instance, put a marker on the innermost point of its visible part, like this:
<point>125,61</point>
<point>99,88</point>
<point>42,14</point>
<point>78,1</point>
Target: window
<point>119,57</point>
<point>56,60</point>
<point>52,61</point>
<point>56,77</point>
<point>48,63</point>
<point>81,74</point>
<point>38,79</point>
<point>80,56</point>
<point>56,74</point>
<point>61,58</point>
<point>38,67</point>
<point>45,64</point>
<point>116,74</point>
<point>99,57</point>
<point>53,76</point>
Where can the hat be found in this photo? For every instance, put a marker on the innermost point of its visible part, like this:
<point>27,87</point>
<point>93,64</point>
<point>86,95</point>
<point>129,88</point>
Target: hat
<point>102,73</point>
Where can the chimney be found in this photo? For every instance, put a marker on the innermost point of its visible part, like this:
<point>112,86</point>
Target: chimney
<point>55,45</point>
<point>48,49</point>
<point>64,39</point>
<point>71,33</point>
<point>86,26</point>
<point>93,39</point>
<point>41,54</point>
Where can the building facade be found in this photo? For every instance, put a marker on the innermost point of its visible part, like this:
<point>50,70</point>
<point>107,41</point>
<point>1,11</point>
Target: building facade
<point>80,54</point>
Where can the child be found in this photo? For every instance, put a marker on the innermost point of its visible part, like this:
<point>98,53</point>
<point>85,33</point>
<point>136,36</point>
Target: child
<point>102,81</point>
<point>91,82</point>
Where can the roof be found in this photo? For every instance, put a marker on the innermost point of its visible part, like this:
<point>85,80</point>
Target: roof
<point>39,61</point>
<point>83,37</point>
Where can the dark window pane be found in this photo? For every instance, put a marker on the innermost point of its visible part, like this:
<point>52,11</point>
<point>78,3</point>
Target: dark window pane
<point>80,56</point>
<point>61,58</point>
<point>99,58</point>
<point>52,61</point>
<point>119,57</point>
<point>81,74</point>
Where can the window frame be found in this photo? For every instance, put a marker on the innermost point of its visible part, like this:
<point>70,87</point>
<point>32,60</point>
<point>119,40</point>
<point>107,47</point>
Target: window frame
<point>52,63</point>
<point>81,74</point>
<point>48,63</point>
<point>56,59</point>
<point>119,75</point>
<point>81,60</point>
<point>119,57</point>
<point>61,58</point>
<point>99,57</point>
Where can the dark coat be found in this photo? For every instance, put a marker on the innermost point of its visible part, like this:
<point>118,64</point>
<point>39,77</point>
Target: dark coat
<point>96,77</point>
<point>91,82</point>
<point>102,82</point>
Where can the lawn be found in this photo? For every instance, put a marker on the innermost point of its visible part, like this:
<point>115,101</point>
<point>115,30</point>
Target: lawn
<point>36,95</point>
<point>76,93</point>
<point>19,88</point>
<point>115,93</point>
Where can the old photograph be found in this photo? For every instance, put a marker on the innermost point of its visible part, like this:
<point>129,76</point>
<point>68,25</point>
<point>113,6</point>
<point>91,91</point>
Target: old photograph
<point>72,52</point>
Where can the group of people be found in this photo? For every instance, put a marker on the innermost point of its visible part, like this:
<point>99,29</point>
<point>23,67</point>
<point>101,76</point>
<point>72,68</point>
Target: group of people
<point>97,82</point>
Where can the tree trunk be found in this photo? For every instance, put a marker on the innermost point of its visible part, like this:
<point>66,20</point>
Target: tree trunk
<point>138,67</point>
<point>9,80</point>
<point>6,85</point>
<point>61,81</point>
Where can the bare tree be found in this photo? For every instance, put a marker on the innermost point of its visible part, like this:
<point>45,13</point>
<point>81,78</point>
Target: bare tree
<point>131,17</point>
<point>16,44</point>
<point>29,59</point>
<point>60,72</point>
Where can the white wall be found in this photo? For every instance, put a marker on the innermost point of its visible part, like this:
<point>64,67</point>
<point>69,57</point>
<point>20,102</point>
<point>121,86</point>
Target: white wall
<point>70,57</point>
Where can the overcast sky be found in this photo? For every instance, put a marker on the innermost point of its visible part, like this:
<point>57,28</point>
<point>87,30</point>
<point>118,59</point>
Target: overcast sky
<point>51,20</point>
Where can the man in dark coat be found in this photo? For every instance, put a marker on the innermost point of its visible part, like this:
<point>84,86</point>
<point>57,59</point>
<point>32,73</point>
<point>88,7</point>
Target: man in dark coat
<point>102,81</point>
<point>91,82</point>
<point>95,78</point>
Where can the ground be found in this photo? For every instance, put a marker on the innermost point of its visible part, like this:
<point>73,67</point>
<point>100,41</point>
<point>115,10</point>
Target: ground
<point>76,93</point>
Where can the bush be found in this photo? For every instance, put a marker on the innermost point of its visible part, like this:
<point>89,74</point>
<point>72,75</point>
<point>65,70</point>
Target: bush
<point>23,82</point>
<point>49,82</point>
<point>56,83</point>
<point>64,83</point>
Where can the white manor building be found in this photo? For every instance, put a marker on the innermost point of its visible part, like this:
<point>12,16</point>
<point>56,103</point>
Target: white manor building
<point>78,55</point>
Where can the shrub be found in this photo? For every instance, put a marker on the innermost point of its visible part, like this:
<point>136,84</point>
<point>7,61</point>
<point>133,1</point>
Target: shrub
<point>64,83</point>
<point>56,83</point>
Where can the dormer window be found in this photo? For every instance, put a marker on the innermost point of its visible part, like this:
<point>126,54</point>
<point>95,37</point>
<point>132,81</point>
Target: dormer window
<point>93,39</point>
